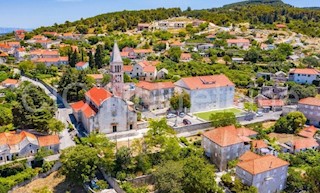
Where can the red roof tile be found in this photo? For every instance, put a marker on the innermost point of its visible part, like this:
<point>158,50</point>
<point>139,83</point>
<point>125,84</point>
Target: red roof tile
<point>308,132</point>
<point>81,64</point>
<point>127,68</point>
<point>305,143</point>
<point>270,103</point>
<point>10,81</point>
<point>48,140</point>
<point>258,144</point>
<point>262,164</point>
<point>310,101</point>
<point>149,69</point>
<point>12,138</point>
<point>77,106</point>
<point>248,155</point>
<point>235,41</point>
<point>185,56</point>
<point>98,95</point>
<point>155,85</point>
<point>206,82</point>
<point>225,136</point>
<point>88,111</point>
<point>309,71</point>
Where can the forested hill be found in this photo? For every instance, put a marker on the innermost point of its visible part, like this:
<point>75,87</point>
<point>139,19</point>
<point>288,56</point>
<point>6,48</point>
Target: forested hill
<point>260,15</point>
<point>257,2</point>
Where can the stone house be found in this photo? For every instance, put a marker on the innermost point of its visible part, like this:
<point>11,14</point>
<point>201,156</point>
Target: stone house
<point>155,95</point>
<point>224,144</point>
<point>304,76</point>
<point>207,92</point>
<point>310,107</point>
<point>267,173</point>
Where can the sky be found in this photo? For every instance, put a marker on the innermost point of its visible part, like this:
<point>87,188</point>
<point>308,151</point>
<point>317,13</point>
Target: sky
<point>36,13</point>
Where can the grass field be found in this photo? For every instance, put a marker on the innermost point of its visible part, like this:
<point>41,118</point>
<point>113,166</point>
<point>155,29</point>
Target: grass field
<point>206,115</point>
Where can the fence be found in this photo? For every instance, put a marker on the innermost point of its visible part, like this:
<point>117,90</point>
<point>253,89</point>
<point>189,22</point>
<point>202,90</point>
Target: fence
<point>112,182</point>
<point>55,167</point>
<point>142,180</point>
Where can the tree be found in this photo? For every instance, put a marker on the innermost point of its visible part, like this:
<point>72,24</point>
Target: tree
<point>227,59</point>
<point>311,61</point>
<point>83,29</point>
<point>180,101</point>
<point>106,79</point>
<point>55,126</point>
<point>6,116</point>
<point>26,66</point>
<point>74,59</point>
<point>291,123</point>
<point>79,163</point>
<point>126,78</point>
<point>313,177</point>
<point>124,160</point>
<point>199,176</point>
<point>252,55</point>
<point>285,49</point>
<point>98,57</point>
<point>174,54</point>
<point>91,60</point>
<point>169,177</point>
<point>252,107</point>
<point>222,119</point>
<point>260,81</point>
<point>42,153</point>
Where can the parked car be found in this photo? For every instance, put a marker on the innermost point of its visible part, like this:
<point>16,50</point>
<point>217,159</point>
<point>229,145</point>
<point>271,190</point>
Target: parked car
<point>170,115</point>
<point>186,122</point>
<point>259,114</point>
<point>182,114</point>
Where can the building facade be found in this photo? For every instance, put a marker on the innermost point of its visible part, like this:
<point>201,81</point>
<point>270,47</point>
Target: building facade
<point>310,107</point>
<point>304,76</point>
<point>207,92</point>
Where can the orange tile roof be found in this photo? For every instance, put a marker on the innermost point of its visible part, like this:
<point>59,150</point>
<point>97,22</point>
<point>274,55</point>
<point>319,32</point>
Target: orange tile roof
<point>308,132</point>
<point>143,51</point>
<point>98,95</point>
<point>235,41</point>
<point>143,24</point>
<point>155,85</point>
<point>281,25</point>
<point>206,82</point>
<point>262,164</point>
<point>81,64</point>
<point>13,43</point>
<point>270,103</point>
<point>127,68</point>
<point>248,155</point>
<point>96,76</point>
<point>246,132</point>
<point>305,143</point>
<point>12,138</point>
<point>77,106</point>
<point>257,144</point>
<point>10,81</point>
<point>3,54</point>
<point>149,69</point>
<point>48,140</point>
<point>88,111</point>
<point>185,56</point>
<point>176,43</point>
<point>225,136</point>
<point>310,101</point>
<point>149,63</point>
<point>310,71</point>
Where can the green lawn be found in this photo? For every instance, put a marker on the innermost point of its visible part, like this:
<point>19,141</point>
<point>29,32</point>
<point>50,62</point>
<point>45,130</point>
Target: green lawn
<point>206,115</point>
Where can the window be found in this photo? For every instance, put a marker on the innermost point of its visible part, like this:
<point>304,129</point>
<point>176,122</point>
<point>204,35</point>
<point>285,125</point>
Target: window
<point>114,128</point>
<point>1,158</point>
<point>131,126</point>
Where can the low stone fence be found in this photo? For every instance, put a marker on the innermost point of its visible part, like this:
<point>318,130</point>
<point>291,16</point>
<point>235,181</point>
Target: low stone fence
<point>193,127</point>
<point>112,182</point>
<point>55,167</point>
<point>142,180</point>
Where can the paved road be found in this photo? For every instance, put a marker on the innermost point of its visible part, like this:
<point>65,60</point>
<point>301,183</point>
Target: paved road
<point>266,117</point>
<point>62,114</point>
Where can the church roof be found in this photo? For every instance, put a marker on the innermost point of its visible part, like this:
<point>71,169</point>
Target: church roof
<point>116,55</point>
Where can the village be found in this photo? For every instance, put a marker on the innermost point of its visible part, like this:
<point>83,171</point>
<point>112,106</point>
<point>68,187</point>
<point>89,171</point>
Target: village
<point>234,91</point>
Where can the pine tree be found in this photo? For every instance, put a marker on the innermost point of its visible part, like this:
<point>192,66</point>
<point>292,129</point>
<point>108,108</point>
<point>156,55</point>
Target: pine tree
<point>91,60</point>
<point>99,57</point>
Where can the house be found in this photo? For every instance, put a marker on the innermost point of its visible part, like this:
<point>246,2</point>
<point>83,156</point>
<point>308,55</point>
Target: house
<point>210,37</point>
<point>203,47</point>
<point>53,61</point>
<point>267,47</point>
<point>19,34</point>
<point>176,44</point>
<point>97,77</point>
<point>143,26</point>
<point>143,70</point>
<point>274,92</point>
<point>36,54</point>
<point>270,104</point>
<point>237,60</point>
<point>310,107</point>
<point>197,22</point>
<point>267,173</point>
<point>224,144</point>
<point>10,83</point>
<point>207,92</point>
<point>82,65</point>
<point>3,57</point>
<point>162,74</point>
<point>104,113</point>
<point>155,95</point>
<point>185,57</point>
<point>304,75</point>
<point>14,45</point>
<point>308,132</point>
<point>240,43</point>
<point>280,76</point>
<point>294,57</point>
<point>20,54</point>
<point>281,26</point>
<point>299,144</point>
<point>261,147</point>
<point>24,144</point>
<point>141,53</point>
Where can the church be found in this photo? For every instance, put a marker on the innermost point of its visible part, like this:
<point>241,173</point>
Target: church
<point>103,110</point>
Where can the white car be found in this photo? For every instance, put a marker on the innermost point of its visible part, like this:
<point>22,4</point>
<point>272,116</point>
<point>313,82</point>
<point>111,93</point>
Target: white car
<point>170,115</point>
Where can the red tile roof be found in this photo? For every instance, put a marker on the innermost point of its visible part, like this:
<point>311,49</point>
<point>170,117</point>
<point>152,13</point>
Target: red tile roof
<point>257,144</point>
<point>308,132</point>
<point>3,54</point>
<point>127,68</point>
<point>206,82</point>
<point>48,140</point>
<point>81,64</point>
<point>305,143</point>
<point>12,138</point>
<point>248,155</point>
<point>262,164</point>
<point>235,41</point>
<point>98,95</point>
<point>281,26</point>
<point>10,81</point>
<point>155,85</point>
<point>270,103</point>
<point>310,71</point>
<point>149,69</point>
<point>88,111</point>
<point>310,101</point>
<point>185,56</point>
<point>77,106</point>
<point>143,51</point>
<point>225,136</point>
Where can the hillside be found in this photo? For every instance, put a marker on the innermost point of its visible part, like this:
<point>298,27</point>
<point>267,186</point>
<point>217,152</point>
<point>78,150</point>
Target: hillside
<point>257,2</point>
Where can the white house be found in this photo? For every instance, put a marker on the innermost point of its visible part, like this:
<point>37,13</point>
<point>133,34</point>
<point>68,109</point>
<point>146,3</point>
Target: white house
<point>208,92</point>
<point>82,65</point>
<point>304,76</point>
